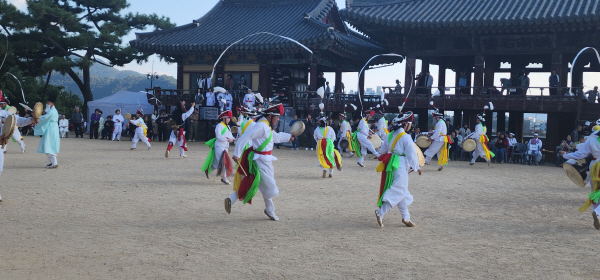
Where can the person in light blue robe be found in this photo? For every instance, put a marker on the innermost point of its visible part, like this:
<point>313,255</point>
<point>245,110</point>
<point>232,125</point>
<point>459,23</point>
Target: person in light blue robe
<point>47,127</point>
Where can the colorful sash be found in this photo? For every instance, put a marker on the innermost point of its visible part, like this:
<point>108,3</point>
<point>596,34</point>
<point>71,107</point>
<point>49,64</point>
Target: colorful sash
<point>245,125</point>
<point>594,196</point>
<point>249,184</point>
<point>348,137</point>
<point>389,163</point>
<point>143,126</point>
<point>329,157</point>
<point>208,162</point>
<point>483,139</point>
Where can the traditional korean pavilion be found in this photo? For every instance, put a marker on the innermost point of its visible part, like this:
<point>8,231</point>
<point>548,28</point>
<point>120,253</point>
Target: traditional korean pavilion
<point>269,64</point>
<point>475,37</point>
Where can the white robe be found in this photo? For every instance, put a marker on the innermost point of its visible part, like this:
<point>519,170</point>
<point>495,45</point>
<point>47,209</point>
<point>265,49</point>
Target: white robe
<point>249,101</point>
<point>210,99</point>
<point>344,126</point>
<point>221,144</point>
<point>381,126</point>
<point>479,151</point>
<point>63,126</point>
<point>398,194</point>
<point>20,122</point>
<point>255,136</point>
<point>118,126</point>
<point>139,133</point>
<point>362,137</point>
<point>438,141</point>
<point>173,138</point>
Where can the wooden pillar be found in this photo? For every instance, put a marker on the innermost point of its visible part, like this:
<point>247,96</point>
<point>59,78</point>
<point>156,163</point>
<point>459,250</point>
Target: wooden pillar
<point>490,68</point>
<point>314,74</point>
<point>423,119</point>
<point>338,81</point>
<point>478,75</point>
<point>458,119</point>
<point>489,121</point>
<point>424,65</point>
<point>501,121</point>
<point>410,68</point>
<point>180,75</point>
<point>515,125</point>
<point>264,80</point>
<point>442,79</point>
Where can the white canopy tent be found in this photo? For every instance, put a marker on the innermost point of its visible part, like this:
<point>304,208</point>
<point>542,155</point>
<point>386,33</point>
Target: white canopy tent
<point>127,101</point>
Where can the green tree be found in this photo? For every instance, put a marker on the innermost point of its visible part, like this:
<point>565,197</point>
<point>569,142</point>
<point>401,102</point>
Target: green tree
<point>64,34</point>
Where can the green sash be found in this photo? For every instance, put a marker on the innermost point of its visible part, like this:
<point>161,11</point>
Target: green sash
<point>254,169</point>
<point>355,143</point>
<point>208,162</point>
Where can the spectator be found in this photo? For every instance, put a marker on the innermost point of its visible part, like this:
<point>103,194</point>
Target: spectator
<point>565,146</point>
<point>77,120</point>
<point>465,130</point>
<point>321,80</point>
<point>494,91</point>
<point>229,83</point>
<point>107,129</point>
<point>220,81</point>
<point>398,88</point>
<point>242,84</point>
<point>149,129</point>
<point>449,125</point>
<point>161,126</point>
<point>309,128</point>
<point>553,81</point>
<point>416,133</point>
<point>501,148</point>
<point>462,83</point>
<point>210,98</point>
<point>314,113</point>
<point>295,142</point>
<point>206,83</point>
<point>327,88</point>
<point>576,144</point>
<point>525,82</point>
<point>534,152</point>
<point>153,119</point>
<point>228,100</point>
<point>95,123</point>
<point>576,132</point>
<point>459,138</point>
<point>512,141</point>
<point>505,85</point>
<point>249,100</point>
<point>193,126</point>
<point>63,125</point>
<point>592,95</point>
<point>428,82</point>
<point>84,127</point>
<point>118,122</point>
<point>454,147</point>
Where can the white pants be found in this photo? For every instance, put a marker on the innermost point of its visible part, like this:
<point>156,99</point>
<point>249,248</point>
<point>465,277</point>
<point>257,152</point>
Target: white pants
<point>173,141</point>
<point>17,137</point>
<point>63,132</point>
<point>52,159</point>
<point>435,149</point>
<point>365,145</point>
<point>218,153</point>
<point>536,154</point>
<point>267,185</point>
<point>269,206</point>
<point>117,129</point>
<point>479,152</point>
<point>398,194</point>
<point>140,137</point>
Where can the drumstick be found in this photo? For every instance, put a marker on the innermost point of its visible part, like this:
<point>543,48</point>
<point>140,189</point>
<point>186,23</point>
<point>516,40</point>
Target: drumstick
<point>240,166</point>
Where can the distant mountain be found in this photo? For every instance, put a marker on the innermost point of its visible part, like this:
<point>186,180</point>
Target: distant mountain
<point>108,80</point>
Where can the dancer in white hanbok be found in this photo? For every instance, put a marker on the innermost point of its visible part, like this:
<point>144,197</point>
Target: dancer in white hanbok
<point>399,155</point>
<point>440,140</point>
<point>140,130</point>
<point>360,139</point>
<point>218,157</point>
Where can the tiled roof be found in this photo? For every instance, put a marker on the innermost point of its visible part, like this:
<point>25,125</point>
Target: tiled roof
<point>231,20</point>
<point>472,13</point>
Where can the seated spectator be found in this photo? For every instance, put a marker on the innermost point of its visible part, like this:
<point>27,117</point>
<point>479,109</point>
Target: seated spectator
<point>534,151</point>
<point>581,141</point>
<point>107,129</point>
<point>501,148</point>
<point>565,146</point>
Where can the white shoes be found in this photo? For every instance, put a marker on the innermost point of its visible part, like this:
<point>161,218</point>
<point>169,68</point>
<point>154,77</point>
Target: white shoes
<point>306,149</point>
<point>312,149</point>
<point>272,217</point>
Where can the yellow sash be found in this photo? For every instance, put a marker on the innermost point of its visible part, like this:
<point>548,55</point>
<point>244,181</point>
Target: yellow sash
<point>596,184</point>
<point>246,126</point>
<point>382,165</point>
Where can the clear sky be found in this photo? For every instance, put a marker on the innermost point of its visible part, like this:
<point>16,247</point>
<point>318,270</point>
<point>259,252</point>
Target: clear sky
<point>184,11</point>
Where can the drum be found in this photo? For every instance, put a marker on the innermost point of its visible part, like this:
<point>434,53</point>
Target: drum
<point>344,144</point>
<point>420,155</point>
<point>38,108</point>
<point>12,110</point>
<point>376,141</point>
<point>234,120</point>
<point>577,173</point>
<point>469,145</point>
<point>297,128</point>
<point>423,142</point>
<point>128,116</point>
<point>234,129</point>
<point>10,123</point>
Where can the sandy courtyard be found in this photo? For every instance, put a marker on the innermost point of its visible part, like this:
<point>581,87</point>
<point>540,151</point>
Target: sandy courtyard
<point>111,213</point>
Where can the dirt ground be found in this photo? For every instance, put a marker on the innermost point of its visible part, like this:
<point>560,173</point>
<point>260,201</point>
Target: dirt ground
<point>111,213</point>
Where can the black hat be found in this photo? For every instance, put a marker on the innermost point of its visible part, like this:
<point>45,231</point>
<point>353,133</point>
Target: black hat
<point>52,97</point>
